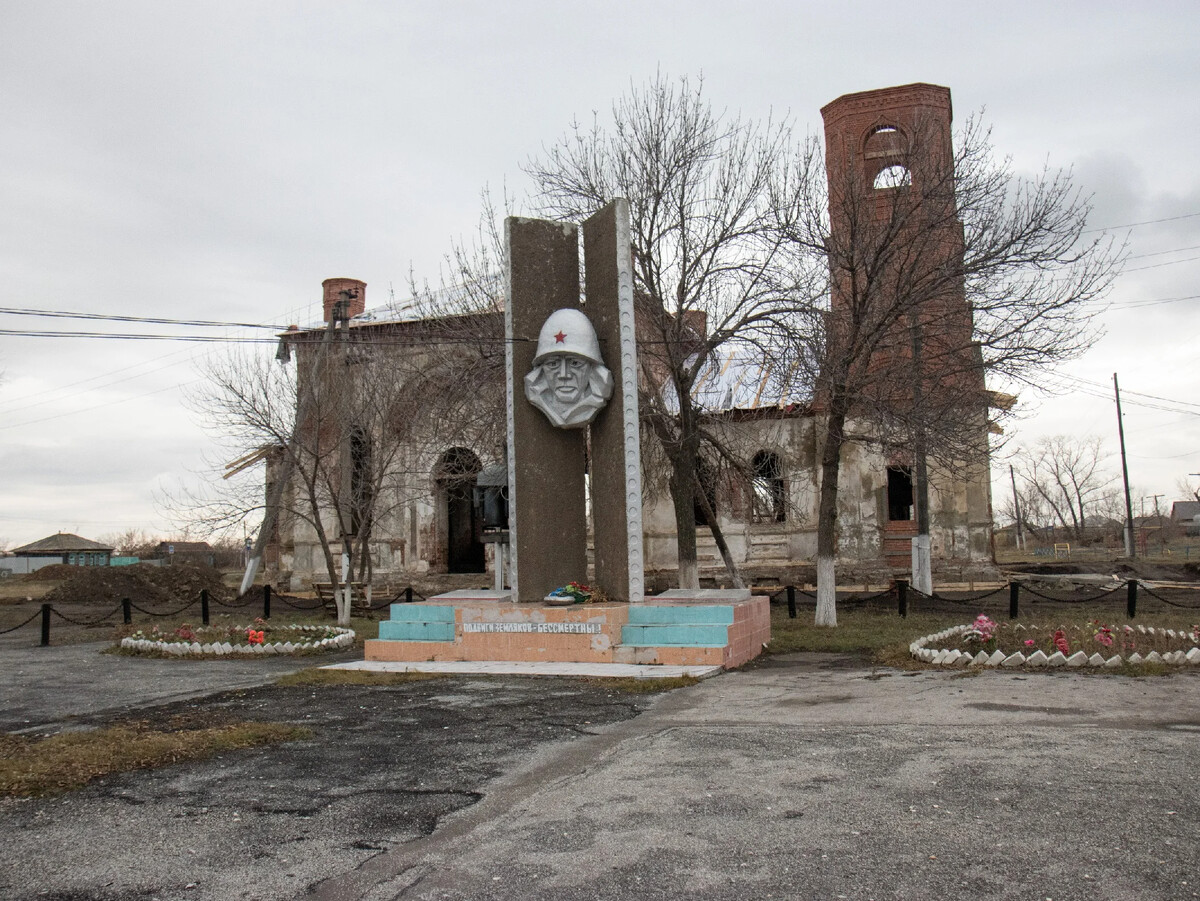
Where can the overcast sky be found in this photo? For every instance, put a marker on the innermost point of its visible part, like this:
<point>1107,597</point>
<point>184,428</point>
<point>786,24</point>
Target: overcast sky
<point>217,161</point>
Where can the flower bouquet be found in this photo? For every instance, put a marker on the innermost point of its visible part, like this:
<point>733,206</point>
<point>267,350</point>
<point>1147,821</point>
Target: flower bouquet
<point>571,593</point>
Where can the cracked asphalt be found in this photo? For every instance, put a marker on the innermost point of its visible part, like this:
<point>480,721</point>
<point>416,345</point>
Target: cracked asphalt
<point>805,776</point>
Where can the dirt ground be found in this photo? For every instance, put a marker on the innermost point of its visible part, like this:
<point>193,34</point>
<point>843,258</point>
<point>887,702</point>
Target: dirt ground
<point>1145,570</point>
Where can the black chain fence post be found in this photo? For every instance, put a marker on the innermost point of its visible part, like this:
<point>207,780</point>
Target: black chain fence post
<point>204,606</point>
<point>791,593</point>
<point>1131,599</point>
<point>408,595</point>
<point>266,602</point>
<point>46,608</point>
<point>1014,594</point>
<point>902,592</point>
<point>126,611</point>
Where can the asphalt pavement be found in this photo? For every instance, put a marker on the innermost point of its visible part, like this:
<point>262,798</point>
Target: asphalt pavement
<point>803,776</point>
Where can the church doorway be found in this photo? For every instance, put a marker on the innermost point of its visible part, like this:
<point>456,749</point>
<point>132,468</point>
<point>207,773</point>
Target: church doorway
<point>456,481</point>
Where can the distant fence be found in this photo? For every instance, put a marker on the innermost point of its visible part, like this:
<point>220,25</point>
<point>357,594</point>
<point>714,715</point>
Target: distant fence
<point>901,595</point>
<point>255,600</point>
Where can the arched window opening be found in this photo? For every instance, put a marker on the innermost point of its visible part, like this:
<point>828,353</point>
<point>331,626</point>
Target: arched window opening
<point>893,177</point>
<point>770,493</point>
<point>884,140</point>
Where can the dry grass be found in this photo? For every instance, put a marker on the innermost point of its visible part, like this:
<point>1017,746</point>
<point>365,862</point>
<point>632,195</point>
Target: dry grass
<point>318,676</point>
<point>635,686</point>
<point>61,763</point>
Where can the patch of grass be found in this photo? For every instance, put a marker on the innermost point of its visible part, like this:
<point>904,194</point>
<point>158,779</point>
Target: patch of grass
<point>318,676</point>
<point>858,631</point>
<point>33,767</point>
<point>635,686</point>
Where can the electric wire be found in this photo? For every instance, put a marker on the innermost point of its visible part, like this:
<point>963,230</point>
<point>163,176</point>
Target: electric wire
<point>110,317</point>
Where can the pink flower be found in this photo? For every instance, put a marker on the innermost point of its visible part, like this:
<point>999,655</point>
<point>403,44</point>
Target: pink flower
<point>1029,642</point>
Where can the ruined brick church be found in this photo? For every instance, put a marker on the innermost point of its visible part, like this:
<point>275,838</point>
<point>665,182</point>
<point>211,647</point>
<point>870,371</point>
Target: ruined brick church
<point>442,517</point>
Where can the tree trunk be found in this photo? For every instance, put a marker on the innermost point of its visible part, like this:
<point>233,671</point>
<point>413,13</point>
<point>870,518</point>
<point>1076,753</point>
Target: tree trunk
<point>831,453</point>
<point>719,537</point>
<point>682,480</point>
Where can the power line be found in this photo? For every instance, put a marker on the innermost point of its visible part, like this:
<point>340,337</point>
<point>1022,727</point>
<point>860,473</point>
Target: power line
<point>1137,224</point>
<point>90,407</point>
<point>135,337</point>
<point>107,317</point>
<point>1159,253</point>
<point>1160,265</point>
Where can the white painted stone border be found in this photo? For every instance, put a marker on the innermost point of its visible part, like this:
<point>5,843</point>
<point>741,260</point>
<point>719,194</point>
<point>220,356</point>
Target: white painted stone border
<point>955,657</point>
<point>344,639</point>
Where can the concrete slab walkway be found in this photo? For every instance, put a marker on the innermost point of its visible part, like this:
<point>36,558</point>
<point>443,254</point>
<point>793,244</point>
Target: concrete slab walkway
<point>523,668</point>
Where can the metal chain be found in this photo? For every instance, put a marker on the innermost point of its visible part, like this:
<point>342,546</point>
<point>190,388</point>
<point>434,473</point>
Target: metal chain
<point>1097,597</point>
<point>26,623</point>
<point>1155,594</point>
<point>171,613</point>
<point>80,622</point>
<point>231,606</point>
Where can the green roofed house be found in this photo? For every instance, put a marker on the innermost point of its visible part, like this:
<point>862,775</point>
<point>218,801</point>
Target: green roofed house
<point>65,548</point>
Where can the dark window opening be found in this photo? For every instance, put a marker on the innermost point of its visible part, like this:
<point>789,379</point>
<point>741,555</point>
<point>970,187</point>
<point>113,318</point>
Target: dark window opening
<point>900,493</point>
<point>769,492</point>
<point>360,480</point>
<point>456,474</point>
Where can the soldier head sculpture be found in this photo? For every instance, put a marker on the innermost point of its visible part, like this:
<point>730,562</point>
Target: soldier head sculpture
<point>569,381</point>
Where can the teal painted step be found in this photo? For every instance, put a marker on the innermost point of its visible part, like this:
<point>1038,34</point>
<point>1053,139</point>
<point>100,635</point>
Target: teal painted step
<point>421,613</point>
<point>706,614</point>
<point>677,635</point>
<point>411,631</point>
<point>678,626</point>
<point>419,622</point>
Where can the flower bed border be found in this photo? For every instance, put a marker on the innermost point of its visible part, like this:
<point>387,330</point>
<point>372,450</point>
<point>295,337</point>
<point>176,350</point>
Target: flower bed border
<point>343,639</point>
<point>955,657</point>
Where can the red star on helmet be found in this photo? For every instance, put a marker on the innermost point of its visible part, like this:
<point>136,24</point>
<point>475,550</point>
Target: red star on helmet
<point>560,338</point>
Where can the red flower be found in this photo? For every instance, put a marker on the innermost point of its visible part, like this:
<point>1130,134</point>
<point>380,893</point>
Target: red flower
<point>1060,642</point>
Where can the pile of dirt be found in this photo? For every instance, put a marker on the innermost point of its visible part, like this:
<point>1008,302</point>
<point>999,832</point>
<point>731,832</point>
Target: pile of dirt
<point>141,583</point>
<point>1184,571</point>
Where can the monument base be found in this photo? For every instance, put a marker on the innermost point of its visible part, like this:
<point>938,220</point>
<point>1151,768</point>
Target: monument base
<point>679,628</point>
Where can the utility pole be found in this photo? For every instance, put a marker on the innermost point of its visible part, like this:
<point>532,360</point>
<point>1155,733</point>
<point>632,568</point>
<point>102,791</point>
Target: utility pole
<point>1017,508</point>
<point>1129,552</point>
<point>922,564</point>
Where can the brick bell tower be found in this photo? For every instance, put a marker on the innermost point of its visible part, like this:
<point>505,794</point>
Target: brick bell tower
<point>896,248</point>
<point>894,226</point>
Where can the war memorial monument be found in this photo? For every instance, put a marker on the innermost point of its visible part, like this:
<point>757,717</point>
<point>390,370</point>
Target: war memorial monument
<point>572,388</point>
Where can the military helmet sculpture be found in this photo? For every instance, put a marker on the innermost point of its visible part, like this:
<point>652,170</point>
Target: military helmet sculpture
<point>569,381</point>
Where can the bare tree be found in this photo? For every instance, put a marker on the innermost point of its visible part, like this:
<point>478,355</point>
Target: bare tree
<point>1186,486</point>
<point>709,269</point>
<point>132,542</point>
<point>347,431</point>
<point>944,268</point>
<point>1067,475</point>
